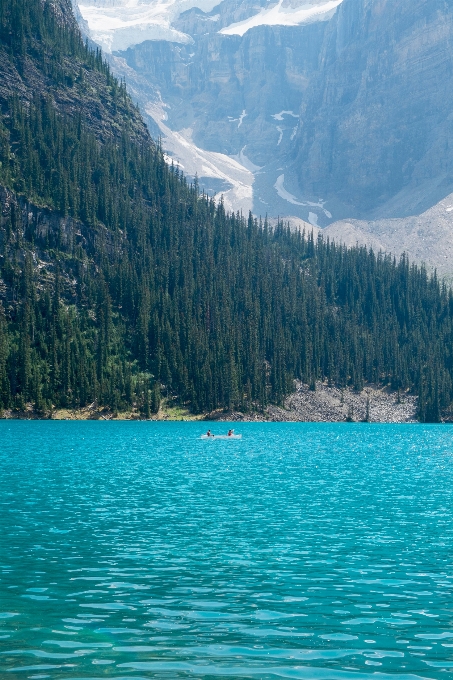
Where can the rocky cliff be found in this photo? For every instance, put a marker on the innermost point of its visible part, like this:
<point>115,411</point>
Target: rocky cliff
<point>376,121</point>
<point>233,91</point>
<point>346,117</point>
<point>224,88</point>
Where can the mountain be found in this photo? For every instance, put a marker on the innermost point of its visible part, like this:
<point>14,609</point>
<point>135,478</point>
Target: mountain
<point>324,111</point>
<point>377,122</point>
<point>120,282</point>
<point>230,84</point>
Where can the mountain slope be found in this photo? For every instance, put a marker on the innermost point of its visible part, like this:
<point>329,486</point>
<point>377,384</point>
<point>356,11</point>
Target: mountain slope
<point>41,53</point>
<point>119,281</point>
<point>222,89</point>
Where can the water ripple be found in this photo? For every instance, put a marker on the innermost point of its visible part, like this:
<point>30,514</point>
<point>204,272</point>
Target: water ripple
<point>312,551</point>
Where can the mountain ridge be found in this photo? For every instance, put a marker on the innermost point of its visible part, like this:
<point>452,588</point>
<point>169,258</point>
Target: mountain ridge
<point>368,89</point>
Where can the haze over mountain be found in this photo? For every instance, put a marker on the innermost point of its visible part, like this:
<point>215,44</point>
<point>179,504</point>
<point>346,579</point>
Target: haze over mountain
<point>377,123</point>
<point>225,93</point>
<point>319,109</point>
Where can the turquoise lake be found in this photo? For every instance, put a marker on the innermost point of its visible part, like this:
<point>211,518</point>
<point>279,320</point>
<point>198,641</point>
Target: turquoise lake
<point>136,550</point>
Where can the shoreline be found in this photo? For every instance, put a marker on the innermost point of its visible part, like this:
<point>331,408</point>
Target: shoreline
<point>374,404</point>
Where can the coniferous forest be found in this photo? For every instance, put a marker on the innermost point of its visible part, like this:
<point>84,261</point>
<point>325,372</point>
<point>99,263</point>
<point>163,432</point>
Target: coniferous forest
<point>121,283</point>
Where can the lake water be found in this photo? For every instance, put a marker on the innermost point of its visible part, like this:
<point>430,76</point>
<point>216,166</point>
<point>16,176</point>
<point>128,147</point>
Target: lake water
<point>314,551</point>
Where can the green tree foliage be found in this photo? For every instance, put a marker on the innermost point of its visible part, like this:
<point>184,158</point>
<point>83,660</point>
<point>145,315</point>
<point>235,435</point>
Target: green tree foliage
<point>149,289</point>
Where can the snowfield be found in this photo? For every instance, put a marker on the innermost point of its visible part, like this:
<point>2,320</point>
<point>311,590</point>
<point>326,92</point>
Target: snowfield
<point>195,161</point>
<point>283,14</point>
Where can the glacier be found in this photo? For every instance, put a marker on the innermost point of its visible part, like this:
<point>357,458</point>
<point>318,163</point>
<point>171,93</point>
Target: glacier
<point>119,24</point>
<point>285,14</point>
<point>116,25</point>
<point>181,59</point>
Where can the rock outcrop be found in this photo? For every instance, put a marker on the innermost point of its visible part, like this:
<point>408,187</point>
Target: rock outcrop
<point>346,120</point>
<point>74,86</point>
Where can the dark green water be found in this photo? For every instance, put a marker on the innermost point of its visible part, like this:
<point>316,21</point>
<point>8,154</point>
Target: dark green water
<point>136,550</point>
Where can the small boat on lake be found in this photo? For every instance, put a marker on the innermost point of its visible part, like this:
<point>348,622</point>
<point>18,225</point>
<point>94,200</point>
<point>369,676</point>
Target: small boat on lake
<point>221,436</point>
<point>230,435</point>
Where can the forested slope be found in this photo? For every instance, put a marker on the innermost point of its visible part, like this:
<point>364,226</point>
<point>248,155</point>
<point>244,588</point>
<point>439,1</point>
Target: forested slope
<point>119,280</point>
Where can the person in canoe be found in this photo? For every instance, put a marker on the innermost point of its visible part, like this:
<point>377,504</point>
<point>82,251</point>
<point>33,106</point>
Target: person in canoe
<point>208,433</point>
<point>230,433</point>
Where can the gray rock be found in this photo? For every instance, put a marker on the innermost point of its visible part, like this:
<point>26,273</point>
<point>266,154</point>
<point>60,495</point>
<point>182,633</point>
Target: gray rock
<point>376,122</point>
<point>326,404</point>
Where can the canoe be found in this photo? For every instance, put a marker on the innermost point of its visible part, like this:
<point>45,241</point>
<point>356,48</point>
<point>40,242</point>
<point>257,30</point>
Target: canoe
<point>221,436</point>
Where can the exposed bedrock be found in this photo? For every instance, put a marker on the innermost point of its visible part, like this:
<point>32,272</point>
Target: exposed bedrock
<point>346,118</point>
<point>377,122</point>
<point>229,89</point>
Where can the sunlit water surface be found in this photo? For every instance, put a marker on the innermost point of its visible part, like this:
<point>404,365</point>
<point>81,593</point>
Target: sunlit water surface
<point>136,550</point>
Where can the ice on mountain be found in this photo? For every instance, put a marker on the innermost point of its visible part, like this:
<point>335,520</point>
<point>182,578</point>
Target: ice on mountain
<point>120,24</point>
<point>281,14</point>
<point>313,219</point>
<point>246,162</point>
<point>281,191</point>
<point>279,116</point>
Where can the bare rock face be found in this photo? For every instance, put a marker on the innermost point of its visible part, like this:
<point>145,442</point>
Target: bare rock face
<point>228,89</point>
<point>345,120</point>
<point>376,121</point>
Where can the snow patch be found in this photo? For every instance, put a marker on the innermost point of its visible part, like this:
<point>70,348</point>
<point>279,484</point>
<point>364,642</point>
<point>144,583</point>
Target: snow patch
<point>246,162</point>
<point>282,15</point>
<point>283,193</point>
<point>240,119</point>
<point>313,219</point>
<point>279,116</point>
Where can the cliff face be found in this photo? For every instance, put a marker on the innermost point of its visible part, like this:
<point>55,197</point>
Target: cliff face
<point>221,84</point>
<point>376,122</point>
<point>27,222</point>
<point>228,89</point>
